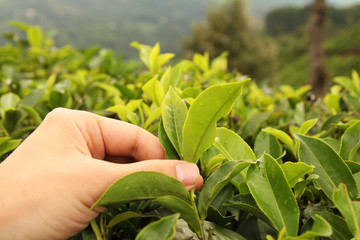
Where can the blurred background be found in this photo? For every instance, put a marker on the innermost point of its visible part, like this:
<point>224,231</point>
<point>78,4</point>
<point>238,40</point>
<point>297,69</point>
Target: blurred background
<point>267,40</point>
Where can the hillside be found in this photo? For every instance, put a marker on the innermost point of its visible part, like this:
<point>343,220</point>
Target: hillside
<point>83,23</point>
<point>116,23</point>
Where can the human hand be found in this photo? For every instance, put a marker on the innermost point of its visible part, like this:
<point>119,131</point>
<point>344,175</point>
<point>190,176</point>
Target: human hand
<point>49,183</point>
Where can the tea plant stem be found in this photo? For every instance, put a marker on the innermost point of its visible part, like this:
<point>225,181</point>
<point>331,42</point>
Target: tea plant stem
<point>96,230</point>
<point>201,222</point>
<point>211,230</point>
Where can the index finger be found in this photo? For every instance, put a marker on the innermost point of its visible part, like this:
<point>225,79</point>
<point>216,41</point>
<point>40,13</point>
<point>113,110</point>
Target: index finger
<point>101,136</point>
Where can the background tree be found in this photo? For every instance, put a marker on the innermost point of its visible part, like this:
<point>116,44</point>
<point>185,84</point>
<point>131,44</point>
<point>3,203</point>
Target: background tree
<point>227,30</point>
<point>318,74</point>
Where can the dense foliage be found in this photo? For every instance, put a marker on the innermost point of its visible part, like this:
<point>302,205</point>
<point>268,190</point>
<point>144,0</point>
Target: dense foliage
<point>277,163</point>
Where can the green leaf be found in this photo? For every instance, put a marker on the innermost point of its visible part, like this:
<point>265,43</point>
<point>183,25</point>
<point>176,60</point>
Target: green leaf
<point>307,125</point>
<point>35,116</point>
<point>267,143</point>
<point>350,140</point>
<point>9,100</point>
<point>144,52</point>
<point>284,137</point>
<point>32,98</point>
<point>96,230</point>
<point>329,166</point>
<point>139,186</point>
<point>338,224</point>
<point>295,171</point>
<point>163,229</point>
<point>35,36</point>
<point>329,123</point>
<point>350,210</point>
<point>216,182</point>
<point>20,25</point>
<point>187,212</point>
<point>152,117</point>
<point>247,203</point>
<point>170,151</point>
<point>221,233</point>
<point>214,215</point>
<point>109,89</point>
<point>87,234</point>
<point>154,90</point>
<point>11,120</point>
<point>272,193</point>
<point>174,113</point>
<point>157,60</point>
<point>232,146</point>
<point>320,228</point>
<point>299,187</point>
<point>254,123</point>
<point>200,125</point>
<point>122,217</point>
<point>202,61</point>
<point>354,166</point>
<point>60,99</point>
<point>172,76</point>
<point>7,144</point>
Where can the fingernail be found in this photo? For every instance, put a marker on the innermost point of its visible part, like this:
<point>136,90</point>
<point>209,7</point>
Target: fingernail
<point>187,173</point>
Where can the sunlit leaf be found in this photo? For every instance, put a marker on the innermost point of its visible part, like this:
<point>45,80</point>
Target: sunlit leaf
<point>232,146</point>
<point>295,171</point>
<point>174,113</point>
<point>212,104</point>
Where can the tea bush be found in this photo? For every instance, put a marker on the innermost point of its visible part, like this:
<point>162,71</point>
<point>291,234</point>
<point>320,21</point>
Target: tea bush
<point>276,163</point>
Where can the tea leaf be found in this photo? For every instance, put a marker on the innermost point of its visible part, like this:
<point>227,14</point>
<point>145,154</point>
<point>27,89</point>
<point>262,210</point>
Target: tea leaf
<point>271,191</point>
<point>247,203</point>
<point>350,210</point>
<point>350,140</point>
<point>7,144</point>
<point>9,100</point>
<point>284,137</point>
<point>163,229</point>
<point>200,124</point>
<point>187,212</point>
<point>329,166</point>
<point>154,90</point>
<point>307,125</point>
<point>122,217</point>
<point>232,146</point>
<point>253,124</point>
<point>294,171</point>
<point>170,151</point>
<point>35,36</point>
<point>139,186</point>
<point>217,180</point>
<point>267,143</point>
<point>338,224</point>
<point>174,112</point>
<point>320,228</point>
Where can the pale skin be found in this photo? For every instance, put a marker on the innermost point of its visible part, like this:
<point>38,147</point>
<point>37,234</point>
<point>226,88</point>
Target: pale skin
<point>49,183</point>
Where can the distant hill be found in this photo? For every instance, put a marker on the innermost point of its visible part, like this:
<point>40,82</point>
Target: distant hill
<point>261,7</point>
<point>112,23</point>
<point>116,23</point>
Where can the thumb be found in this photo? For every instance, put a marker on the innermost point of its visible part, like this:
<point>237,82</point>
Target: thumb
<point>187,173</point>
